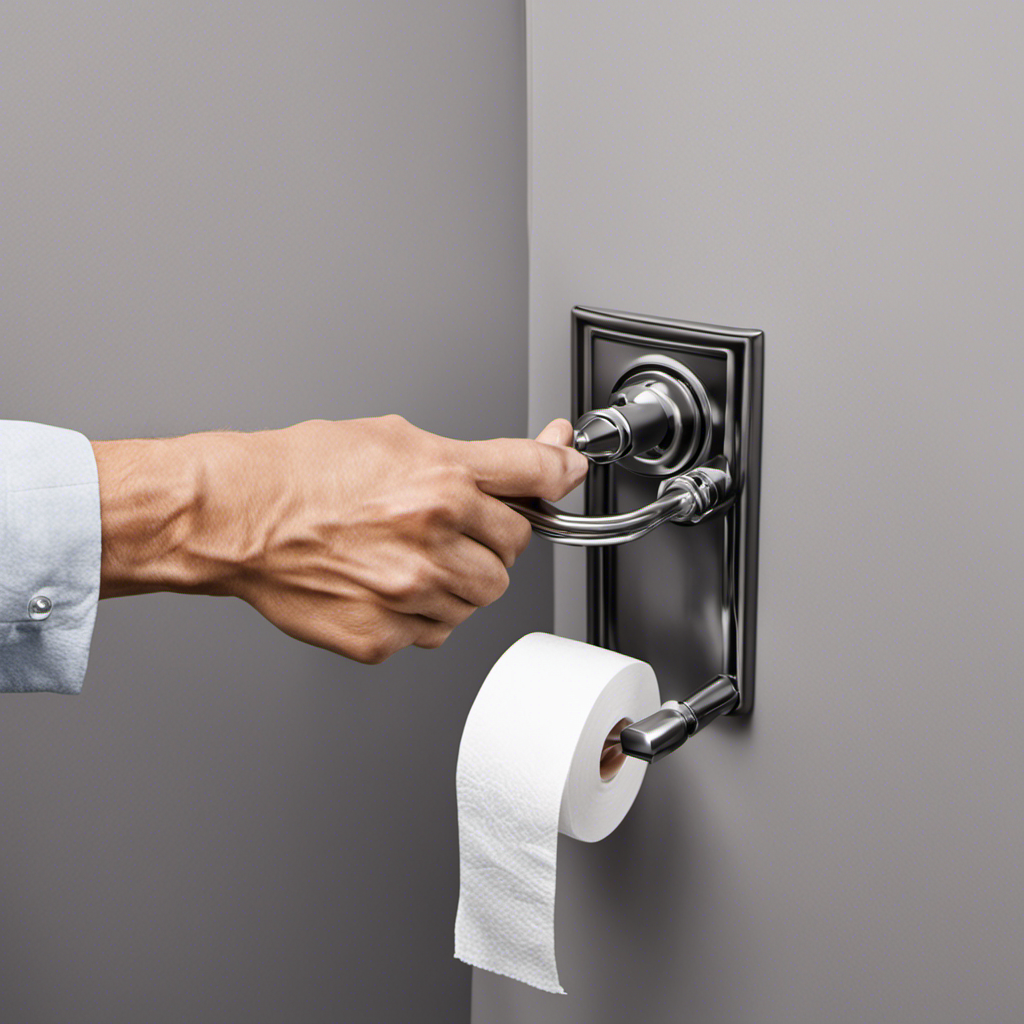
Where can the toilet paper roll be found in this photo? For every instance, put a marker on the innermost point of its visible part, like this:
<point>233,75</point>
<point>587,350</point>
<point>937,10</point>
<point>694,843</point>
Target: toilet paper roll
<point>530,767</point>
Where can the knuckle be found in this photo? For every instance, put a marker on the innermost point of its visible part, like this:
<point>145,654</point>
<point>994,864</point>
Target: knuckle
<point>496,585</point>
<point>454,485</point>
<point>434,638</point>
<point>506,547</point>
<point>311,430</point>
<point>395,429</point>
<point>456,474</point>
<point>565,476</point>
<point>393,586</point>
<point>417,523</point>
<point>410,581</point>
<point>422,576</point>
<point>451,495</point>
<point>438,510</point>
<point>466,479</point>
<point>372,649</point>
<point>464,613</point>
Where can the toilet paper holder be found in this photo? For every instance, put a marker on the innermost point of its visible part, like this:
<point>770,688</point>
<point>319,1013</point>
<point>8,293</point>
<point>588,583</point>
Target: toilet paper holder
<point>683,406</point>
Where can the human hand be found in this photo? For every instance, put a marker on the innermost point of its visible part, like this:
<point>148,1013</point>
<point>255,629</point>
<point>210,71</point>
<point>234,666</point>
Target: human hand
<point>360,536</point>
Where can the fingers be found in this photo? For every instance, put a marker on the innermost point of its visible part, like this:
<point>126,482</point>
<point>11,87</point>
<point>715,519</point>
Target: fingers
<point>432,601</point>
<point>472,577</point>
<point>356,629</point>
<point>396,632</point>
<point>384,634</point>
<point>450,580</point>
<point>432,634</point>
<point>521,468</point>
<point>474,572</point>
<point>496,526</point>
<point>391,632</point>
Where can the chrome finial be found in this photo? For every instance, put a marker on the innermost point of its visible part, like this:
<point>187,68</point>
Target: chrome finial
<point>675,722</point>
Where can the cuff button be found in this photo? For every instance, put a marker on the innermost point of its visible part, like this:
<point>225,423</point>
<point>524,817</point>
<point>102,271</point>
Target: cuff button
<point>39,607</point>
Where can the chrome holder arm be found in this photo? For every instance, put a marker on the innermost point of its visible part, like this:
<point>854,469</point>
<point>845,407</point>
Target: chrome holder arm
<point>676,721</point>
<point>593,531</point>
<point>688,498</point>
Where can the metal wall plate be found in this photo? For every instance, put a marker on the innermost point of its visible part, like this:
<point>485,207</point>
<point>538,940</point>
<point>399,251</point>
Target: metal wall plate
<point>683,598</point>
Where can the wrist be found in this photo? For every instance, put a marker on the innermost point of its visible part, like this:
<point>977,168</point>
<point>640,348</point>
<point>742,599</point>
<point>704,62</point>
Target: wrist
<point>157,524</point>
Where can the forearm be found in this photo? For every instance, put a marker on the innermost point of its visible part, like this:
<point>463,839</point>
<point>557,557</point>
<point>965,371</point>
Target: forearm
<point>361,536</point>
<point>159,531</point>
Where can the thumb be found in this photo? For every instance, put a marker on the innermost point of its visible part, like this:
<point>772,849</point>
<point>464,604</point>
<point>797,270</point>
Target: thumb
<point>520,468</point>
<point>557,432</point>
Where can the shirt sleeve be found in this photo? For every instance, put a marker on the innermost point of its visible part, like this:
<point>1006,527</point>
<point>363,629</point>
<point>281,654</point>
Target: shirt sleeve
<point>49,557</point>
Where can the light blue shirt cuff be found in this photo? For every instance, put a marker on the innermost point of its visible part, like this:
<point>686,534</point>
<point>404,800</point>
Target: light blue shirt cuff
<point>50,542</point>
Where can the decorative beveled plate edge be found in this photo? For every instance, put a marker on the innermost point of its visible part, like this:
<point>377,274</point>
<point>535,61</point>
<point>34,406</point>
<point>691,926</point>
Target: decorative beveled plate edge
<point>743,444</point>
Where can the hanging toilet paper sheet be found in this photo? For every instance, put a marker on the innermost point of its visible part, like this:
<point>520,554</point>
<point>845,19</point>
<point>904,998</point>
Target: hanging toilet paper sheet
<point>530,766</point>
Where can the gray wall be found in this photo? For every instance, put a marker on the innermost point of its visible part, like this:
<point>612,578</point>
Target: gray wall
<point>242,215</point>
<point>846,177</point>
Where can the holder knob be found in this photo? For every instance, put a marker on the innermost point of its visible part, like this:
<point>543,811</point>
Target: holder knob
<point>657,422</point>
<point>640,418</point>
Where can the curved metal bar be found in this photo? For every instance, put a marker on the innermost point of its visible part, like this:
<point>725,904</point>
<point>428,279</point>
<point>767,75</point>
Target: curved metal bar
<point>593,531</point>
<point>687,498</point>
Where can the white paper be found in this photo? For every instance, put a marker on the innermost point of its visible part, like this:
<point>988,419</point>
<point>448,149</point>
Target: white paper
<point>529,768</point>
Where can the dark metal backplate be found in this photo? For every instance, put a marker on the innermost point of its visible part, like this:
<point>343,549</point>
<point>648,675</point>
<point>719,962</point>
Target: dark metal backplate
<point>683,598</point>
